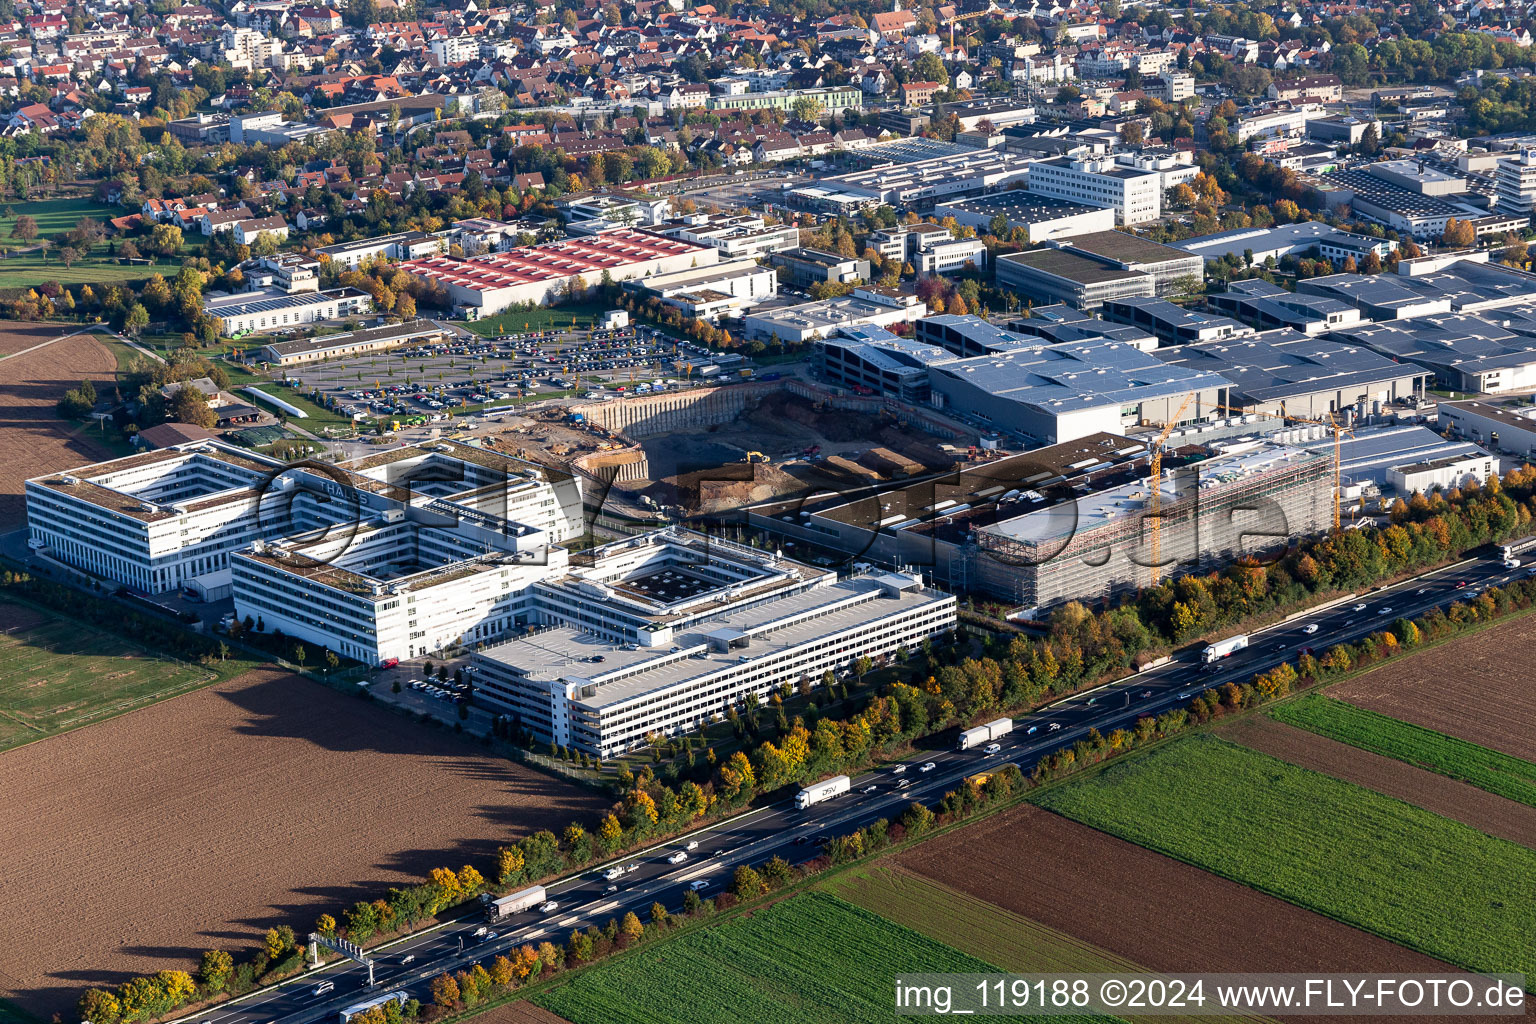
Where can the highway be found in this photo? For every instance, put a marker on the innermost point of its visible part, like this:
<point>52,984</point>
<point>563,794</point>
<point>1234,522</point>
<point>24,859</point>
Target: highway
<point>779,829</point>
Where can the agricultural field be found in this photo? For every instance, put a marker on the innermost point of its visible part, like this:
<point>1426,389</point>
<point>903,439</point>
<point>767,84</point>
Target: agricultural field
<point>1469,688</point>
<point>520,1012</point>
<point>33,440</point>
<point>811,957</point>
<point>1509,777</point>
<point>58,674</point>
<point>1337,848</point>
<point>1450,798</point>
<point>200,822</point>
<point>1139,905</point>
<point>984,930</point>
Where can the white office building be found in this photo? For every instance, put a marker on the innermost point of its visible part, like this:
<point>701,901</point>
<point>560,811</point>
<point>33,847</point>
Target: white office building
<point>658,634</point>
<point>394,555</point>
<point>1515,182</point>
<point>1134,193</point>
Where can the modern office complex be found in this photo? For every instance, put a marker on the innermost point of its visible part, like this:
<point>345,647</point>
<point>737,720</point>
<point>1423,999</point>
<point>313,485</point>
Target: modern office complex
<point>1135,194</point>
<point>1086,270</point>
<point>658,634</point>
<point>393,555</point>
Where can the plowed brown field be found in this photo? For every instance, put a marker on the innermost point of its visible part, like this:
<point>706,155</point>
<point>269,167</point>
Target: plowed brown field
<point>1162,913</point>
<point>1449,798</point>
<point>197,823</point>
<point>519,1013</point>
<point>34,441</point>
<point>1477,688</point>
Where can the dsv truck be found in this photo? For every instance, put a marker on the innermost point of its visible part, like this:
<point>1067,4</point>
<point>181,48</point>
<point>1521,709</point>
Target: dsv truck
<point>1224,648</point>
<point>983,734</point>
<point>822,791</point>
<point>515,903</point>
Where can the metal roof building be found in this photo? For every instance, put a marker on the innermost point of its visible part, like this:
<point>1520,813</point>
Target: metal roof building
<point>1286,372</point>
<point>1056,393</point>
<point>1465,352</point>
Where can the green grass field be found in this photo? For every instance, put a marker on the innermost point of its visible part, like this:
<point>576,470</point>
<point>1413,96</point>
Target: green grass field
<point>54,217</point>
<point>318,418</point>
<point>981,929</point>
<point>58,674</point>
<point>1511,777</point>
<point>1339,849</point>
<point>811,958</point>
<point>584,314</point>
<point>33,269</point>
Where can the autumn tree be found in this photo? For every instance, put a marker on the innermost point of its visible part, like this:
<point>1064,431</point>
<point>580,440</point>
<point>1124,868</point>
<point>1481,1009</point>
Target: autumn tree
<point>25,228</point>
<point>213,972</point>
<point>631,928</point>
<point>189,405</point>
<point>445,992</point>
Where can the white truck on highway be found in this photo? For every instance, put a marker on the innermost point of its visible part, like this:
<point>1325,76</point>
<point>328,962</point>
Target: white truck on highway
<point>515,903</point>
<point>618,871</point>
<point>822,791</point>
<point>1224,648</point>
<point>984,734</point>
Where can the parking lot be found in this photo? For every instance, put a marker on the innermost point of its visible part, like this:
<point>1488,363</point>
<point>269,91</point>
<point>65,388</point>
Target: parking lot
<point>425,383</point>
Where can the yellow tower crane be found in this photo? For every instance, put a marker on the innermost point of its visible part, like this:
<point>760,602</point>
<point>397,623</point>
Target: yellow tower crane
<point>1155,488</point>
<point>1339,430</point>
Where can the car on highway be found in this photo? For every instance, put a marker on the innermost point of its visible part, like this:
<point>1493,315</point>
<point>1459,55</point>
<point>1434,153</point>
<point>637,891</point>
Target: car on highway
<point>930,766</point>
<point>1031,730</point>
<point>677,858</point>
<point>898,769</point>
<point>991,748</point>
<point>903,784</point>
<point>549,906</point>
<point>1460,584</point>
<point>1359,607</point>
<point>1145,694</point>
<point>1385,610</point>
<point>869,789</point>
<point>409,958</point>
<point>699,884</point>
<point>612,887</point>
<point>1311,628</point>
<point>488,937</point>
<point>1055,726</point>
<point>1422,590</point>
<point>324,987</point>
<point>693,844</point>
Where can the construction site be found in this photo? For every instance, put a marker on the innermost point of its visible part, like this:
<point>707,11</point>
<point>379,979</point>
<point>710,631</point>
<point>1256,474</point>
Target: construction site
<point>716,451</point>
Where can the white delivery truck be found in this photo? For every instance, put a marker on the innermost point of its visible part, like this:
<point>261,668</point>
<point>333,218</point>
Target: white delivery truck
<point>822,791</point>
<point>1224,648</point>
<point>984,734</point>
<point>515,903</point>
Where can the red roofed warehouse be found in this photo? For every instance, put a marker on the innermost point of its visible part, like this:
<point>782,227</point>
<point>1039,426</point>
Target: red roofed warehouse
<point>485,285</point>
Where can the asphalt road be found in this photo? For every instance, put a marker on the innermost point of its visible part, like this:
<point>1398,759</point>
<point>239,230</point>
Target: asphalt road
<point>781,830</point>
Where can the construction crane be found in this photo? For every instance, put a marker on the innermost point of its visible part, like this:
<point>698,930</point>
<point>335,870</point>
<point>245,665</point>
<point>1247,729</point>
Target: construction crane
<point>1339,430</point>
<point>964,17</point>
<point>1155,488</point>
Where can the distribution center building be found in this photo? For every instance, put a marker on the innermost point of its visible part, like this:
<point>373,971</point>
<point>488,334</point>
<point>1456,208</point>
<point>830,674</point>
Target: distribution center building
<point>487,284</point>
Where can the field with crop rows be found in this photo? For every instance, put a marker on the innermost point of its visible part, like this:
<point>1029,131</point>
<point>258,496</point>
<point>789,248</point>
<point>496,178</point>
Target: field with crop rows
<point>1510,777</point>
<point>812,958</point>
<point>1340,849</point>
<point>982,929</point>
